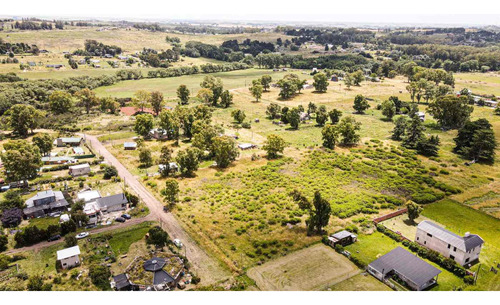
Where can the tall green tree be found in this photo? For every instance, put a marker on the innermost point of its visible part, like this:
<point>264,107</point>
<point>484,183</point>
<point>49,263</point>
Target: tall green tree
<point>141,99</point>
<point>44,141</point>
<point>414,210</point>
<point>360,104</point>
<point>266,81</point>
<point>60,102</point>
<point>188,160</point>
<point>274,146</point>
<point>320,82</point>
<point>330,135</point>
<point>215,85</point>
<point>145,157</point>
<point>171,191</point>
<point>321,115</point>
<point>23,119</point>
<point>450,111</point>
<point>335,115</point>
<point>348,130</point>
<point>388,109</point>
<point>225,151</point>
<point>238,115</point>
<point>183,94</point>
<point>293,117</point>
<point>87,99</point>
<point>413,133</point>
<point>226,99</point>
<point>143,124</point>
<point>21,160</point>
<point>170,123</point>
<point>156,101</point>
<point>320,215</point>
<point>256,91</point>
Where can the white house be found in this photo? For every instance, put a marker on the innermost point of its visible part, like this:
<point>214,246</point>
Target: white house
<point>79,170</point>
<point>463,250</point>
<point>69,257</point>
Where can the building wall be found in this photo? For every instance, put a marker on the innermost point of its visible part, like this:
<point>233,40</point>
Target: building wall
<point>117,207</point>
<point>70,262</point>
<point>79,171</point>
<point>445,249</point>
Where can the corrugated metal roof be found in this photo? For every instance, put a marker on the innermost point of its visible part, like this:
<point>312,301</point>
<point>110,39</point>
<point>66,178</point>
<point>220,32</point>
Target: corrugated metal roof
<point>112,200</point>
<point>462,243</point>
<point>410,266</point>
<point>68,252</point>
<point>343,234</point>
<point>79,166</point>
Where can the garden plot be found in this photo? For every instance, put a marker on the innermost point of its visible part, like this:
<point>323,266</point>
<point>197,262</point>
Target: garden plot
<point>313,268</point>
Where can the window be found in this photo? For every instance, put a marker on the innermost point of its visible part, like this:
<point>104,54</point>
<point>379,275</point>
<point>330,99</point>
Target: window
<point>455,249</point>
<point>452,257</point>
<point>449,246</point>
<point>425,242</point>
<point>418,238</point>
<point>467,260</point>
<point>430,235</point>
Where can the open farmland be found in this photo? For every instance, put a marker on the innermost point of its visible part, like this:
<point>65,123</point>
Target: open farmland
<point>313,268</point>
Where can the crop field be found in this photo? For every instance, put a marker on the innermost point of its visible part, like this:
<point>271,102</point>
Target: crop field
<point>313,268</point>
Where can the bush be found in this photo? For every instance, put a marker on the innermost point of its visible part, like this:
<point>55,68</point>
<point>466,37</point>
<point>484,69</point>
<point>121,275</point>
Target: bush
<point>469,279</point>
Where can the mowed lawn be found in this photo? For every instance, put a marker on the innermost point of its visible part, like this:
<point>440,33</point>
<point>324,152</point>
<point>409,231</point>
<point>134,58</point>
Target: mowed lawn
<point>313,268</point>
<point>360,282</point>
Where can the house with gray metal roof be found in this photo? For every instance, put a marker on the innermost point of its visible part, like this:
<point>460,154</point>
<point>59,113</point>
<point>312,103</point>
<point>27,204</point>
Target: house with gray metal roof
<point>113,203</point>
<point>45,202</point>
<point>415,272</point>
<point>462,249</point>
<point>342,238</point>
<point>68,141</point>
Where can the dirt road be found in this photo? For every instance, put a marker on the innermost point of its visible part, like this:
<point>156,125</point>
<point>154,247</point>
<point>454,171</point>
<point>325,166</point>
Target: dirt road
<point>206,267</point>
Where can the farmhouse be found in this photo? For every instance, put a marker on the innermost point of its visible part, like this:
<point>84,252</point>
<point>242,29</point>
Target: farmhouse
<point>415,272</point>
<point>69,257</point>
<point>44,203</point>
<point>89,195</point>
<point>57,160</point>
<point>79,170</point>
<point>129,145</point>
<point>463,250</point>
<point>68,141</point>
<point>342,238</point>
<point>112,203</point>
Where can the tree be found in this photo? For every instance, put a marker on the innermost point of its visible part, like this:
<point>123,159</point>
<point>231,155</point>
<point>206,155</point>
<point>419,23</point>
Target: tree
<point>205,95</point>
<point>497,110</point>
<point>204,135</point>
<point>335,115</point>
<point>274,146</point>
<point>321,115</point>
<point>99,275</point>
<point>348,130</point>
<point>428,146</point>
<point>169,121</point>
<point>157,237</point>
<point>23,118</point>
<point>293,117</point>
<point>188,160</point>
<point>413,133</point>
<point>4,261</point>
<point>109,172</point>
<point>357,77</point>
<point>265,81</point>
<point>87,99</point>
<point>165,159</point>
<point>35,283</point>
<point>330,135</point>
<point>409,69</point>
<point>469,143</point>
<point>156,101</point>
<point>288,88</point>
<point>450,111</point>
<point>348,81</point>
<point>44,141</point>
<point>141,99</point>
<point>238,115</point>
<point>301,200</point>
<point>225,151</point>
<point>320,82</point>
<point>183,94</point>
<point>414,210</point>
<point>360,104</point>
<point>171,191</point>
<point>320,215</point>
<point>256,90</point>
<point>70,241</point>
<point>226,99</point>
<point>400,126</point>
<point>215,85</point>
<point>145,157</point>
<point>60,102</point>
<point>11,199</point>
<point>273,110</point>
<point>311,108</point>
<point>143,124</point>
<point>108,104</point>
<point>388,109</point>
<point>21,160</point>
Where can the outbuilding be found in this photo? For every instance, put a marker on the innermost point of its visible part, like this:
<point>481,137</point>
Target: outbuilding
<point>69,257</point>
<point>342,238</point>
<point>79,170</point>
<point>129,145</point>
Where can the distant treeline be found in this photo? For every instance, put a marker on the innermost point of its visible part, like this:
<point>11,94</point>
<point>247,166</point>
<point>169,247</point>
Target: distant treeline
<point>17,48</point>
<point>35,26</point>
<point>94,48</point>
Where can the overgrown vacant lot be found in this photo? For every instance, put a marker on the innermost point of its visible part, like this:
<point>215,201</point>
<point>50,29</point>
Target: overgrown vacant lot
<point>313,268</point>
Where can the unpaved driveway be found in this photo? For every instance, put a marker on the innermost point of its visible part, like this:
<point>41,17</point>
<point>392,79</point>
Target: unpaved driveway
<point>207,268</point>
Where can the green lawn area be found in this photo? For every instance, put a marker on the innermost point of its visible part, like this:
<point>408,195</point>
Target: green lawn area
<point>122,239</point>
<point>360,282</point>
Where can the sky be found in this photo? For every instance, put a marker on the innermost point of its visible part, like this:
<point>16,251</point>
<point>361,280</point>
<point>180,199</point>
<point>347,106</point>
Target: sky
<point>477,12</point>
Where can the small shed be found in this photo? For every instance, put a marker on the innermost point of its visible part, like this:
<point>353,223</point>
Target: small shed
<point>129,145</point>
<point>342,238</point>
<point>245,146</point>
<point>69,257</point>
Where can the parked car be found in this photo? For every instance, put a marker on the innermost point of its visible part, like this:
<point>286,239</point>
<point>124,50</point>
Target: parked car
<point>120,219</point>
<point>178,243</point>
<point>54,238</point>
<point>82,235</point>
<point>4,188</point>
<point>126,216</point>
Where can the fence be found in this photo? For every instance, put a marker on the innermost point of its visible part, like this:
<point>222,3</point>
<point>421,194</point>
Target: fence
<point>390,215</point>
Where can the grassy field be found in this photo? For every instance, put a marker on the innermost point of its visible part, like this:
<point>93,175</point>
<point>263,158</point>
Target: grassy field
<point>313,268</point>
<point>360,282</point>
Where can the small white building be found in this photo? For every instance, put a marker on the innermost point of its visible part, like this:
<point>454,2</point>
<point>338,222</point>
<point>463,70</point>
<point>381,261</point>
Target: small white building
<point>245,146</point>
<point>421,115</point>
<point>79,170</point>
<point>463,250</point>
<point>69,257</point>
<point>88,196</point>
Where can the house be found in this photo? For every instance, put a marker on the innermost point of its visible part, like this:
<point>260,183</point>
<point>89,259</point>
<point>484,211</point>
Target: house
<point>93,212</point>
<point>122,57</point>
<point>44,203</point>
<point>79,170</point>
<point>415,272</point>
<point>89,195</point>
<point>58,66</point>
<point>158,134</point>
<point>172,167</point>
<point>60,142</point>
<point>57,160</point>
<point>64,218</point>
<point>463,250</point>
<point>113,203</point>
<point>69,257</point>
<point>490,103</point>
<point>342,238</point>
<point>245,146</point>
<point>12,217</point>
<point>129,145</point>
<point>121,282</point>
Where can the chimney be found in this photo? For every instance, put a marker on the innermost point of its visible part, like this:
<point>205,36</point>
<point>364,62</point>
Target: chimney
<point>467,234</point>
